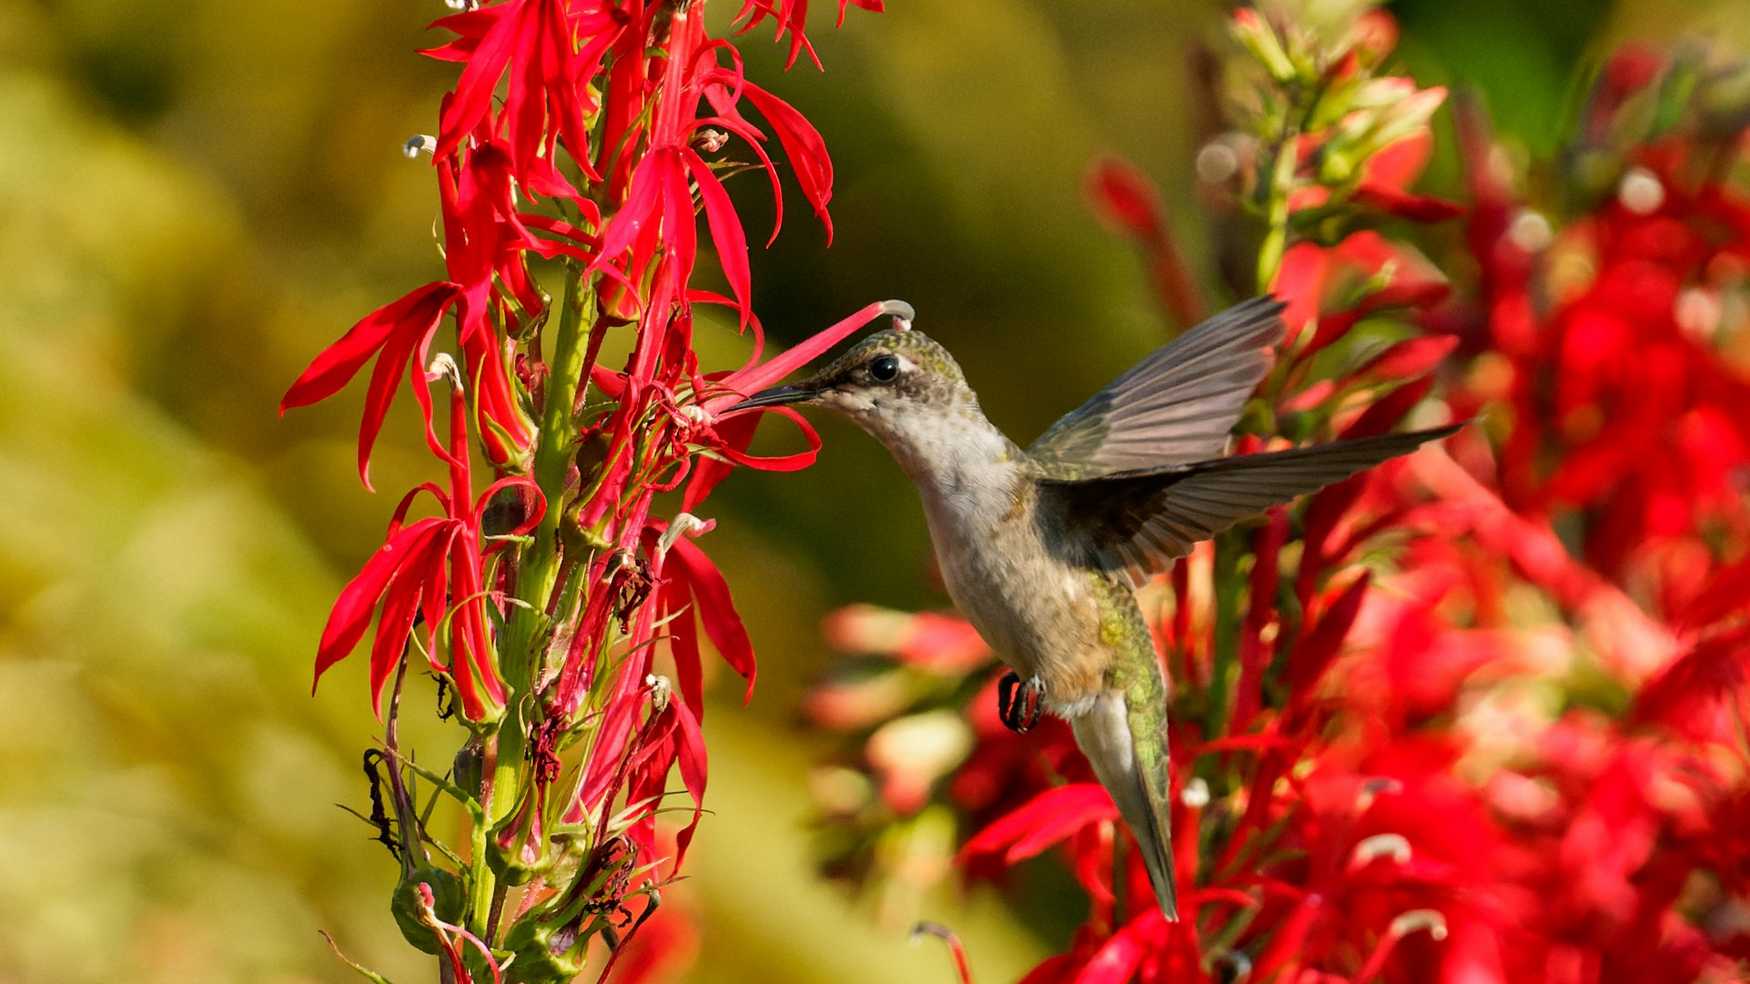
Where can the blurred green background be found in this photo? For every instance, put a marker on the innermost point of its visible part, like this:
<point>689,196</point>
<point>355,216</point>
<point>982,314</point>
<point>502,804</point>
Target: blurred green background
<point>197,195</point>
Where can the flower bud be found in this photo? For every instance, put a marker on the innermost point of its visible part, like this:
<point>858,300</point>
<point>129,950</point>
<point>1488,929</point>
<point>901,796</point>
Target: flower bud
<point>517,846</point>
<point>448,899</point>
<point>551,941</point>
<point>1255,34</point>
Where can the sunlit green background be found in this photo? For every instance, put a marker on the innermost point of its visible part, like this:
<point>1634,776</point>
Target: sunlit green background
<point>196,195</point>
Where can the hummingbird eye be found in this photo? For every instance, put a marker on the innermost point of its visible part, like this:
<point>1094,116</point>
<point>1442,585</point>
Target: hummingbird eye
<point>884,368</point>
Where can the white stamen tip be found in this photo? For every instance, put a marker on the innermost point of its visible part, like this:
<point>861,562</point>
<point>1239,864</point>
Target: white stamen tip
<point>694,414</point>
<point>443,364</point>
<point>903,314</point>
<point>1414,920</point>
<point>419,142</point>
<point>1640,191</point>
<point>660,688</point>
<point>1394,846</point>
<point>1530,231</point>
<point>1195,794</point>
<point>683,524</point>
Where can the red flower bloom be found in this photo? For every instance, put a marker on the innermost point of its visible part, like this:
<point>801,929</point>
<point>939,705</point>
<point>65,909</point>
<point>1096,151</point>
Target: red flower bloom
<point>432,568</point>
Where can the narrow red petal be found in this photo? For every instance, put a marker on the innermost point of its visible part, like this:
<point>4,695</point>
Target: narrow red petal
<point>740,384</point>
<point>805,148</point>
<point>1042,821</point>
<point>717,613</point>
<point>726,234</point>
<point>351,613</point>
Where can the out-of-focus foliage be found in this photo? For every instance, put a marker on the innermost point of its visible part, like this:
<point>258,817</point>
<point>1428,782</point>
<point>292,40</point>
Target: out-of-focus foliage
<point>196,195</point>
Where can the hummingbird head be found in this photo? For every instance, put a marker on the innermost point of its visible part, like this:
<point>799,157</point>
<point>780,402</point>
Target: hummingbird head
<point>901,386</point>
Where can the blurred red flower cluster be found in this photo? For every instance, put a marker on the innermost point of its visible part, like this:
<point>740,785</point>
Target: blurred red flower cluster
<point>1479,714</point>
<point>579,142</point>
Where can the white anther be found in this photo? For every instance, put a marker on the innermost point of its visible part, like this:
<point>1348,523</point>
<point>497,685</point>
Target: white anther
<point>1195,794</point>
<point>1530,231</point>
<point>1699,312</point>
<point>418,142</point>
<point>683,524</point>
<point>712,141</point>
<point>1419,919</point>
<point>694,414</point>
<point>1640,191</point>
<point>1394,846</point>
<point>443,364</point>
<point>660,688</point>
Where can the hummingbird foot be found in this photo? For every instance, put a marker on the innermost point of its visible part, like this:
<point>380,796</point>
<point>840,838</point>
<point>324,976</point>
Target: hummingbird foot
<point>1019,704</point>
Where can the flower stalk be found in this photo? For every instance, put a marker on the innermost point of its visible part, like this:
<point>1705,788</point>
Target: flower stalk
<point>570,147</point>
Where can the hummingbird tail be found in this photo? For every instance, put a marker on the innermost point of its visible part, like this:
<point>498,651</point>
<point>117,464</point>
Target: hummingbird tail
<point>1132,765</point>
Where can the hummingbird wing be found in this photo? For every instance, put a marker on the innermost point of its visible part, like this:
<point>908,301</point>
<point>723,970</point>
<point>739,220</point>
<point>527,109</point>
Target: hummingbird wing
<point>1137,522</point>
<point>1174,407</point>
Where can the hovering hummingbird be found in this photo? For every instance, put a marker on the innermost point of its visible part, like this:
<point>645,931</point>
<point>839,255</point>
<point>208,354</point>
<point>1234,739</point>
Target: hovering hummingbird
<point>1041,547</point>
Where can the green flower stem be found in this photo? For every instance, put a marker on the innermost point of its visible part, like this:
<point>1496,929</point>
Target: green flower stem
<point>540,568</point>
<point>1275,243</point>
<point>1224,669</point>
<point>535,580</point>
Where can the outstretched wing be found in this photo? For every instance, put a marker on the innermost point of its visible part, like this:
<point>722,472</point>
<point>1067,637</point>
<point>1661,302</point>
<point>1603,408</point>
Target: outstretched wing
<point>1136,523</point>
<point>1174,407</point>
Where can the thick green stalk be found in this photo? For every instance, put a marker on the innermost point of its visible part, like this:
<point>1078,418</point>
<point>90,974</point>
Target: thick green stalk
<point>1275,244</point>
<point>535,578</point>
<point>540,566</point>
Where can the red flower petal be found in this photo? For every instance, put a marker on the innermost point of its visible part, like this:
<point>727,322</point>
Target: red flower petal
<point>1410,358</point>
<point>716,609</point>
<point>395,331</point>
<point>1319,644</point>
<point>1042,821</point>
<point>805,148</point>
<point>351,613</point>
<point>1125,198</point>
<point>726,234</point>
<point>740,384</point>
<point>401,600</point>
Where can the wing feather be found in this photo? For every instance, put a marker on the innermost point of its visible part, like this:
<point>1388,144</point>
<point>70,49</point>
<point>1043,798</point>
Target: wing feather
<point>1137,523</point>
<point>1174,407</point>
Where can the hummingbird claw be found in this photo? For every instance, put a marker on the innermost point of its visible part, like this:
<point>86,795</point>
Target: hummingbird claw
<point>1019,704</point>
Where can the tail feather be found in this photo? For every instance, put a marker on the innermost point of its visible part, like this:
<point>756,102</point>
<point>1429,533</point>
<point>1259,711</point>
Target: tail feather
<point>1133,767</point>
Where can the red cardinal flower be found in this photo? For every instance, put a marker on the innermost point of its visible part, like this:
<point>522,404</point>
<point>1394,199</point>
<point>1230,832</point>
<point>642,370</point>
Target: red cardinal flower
<point>399,335</point>
<point>432,568</point>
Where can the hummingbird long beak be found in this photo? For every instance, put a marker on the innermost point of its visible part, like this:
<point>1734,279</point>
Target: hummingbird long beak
<point>777,396</point>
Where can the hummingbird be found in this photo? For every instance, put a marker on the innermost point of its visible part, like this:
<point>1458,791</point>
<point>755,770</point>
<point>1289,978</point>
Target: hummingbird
<point>1041,547</point>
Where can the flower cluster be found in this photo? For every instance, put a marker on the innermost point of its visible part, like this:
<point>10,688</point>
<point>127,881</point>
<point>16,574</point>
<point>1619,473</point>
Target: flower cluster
<point>1477,714</point>
<point>579,143</point>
